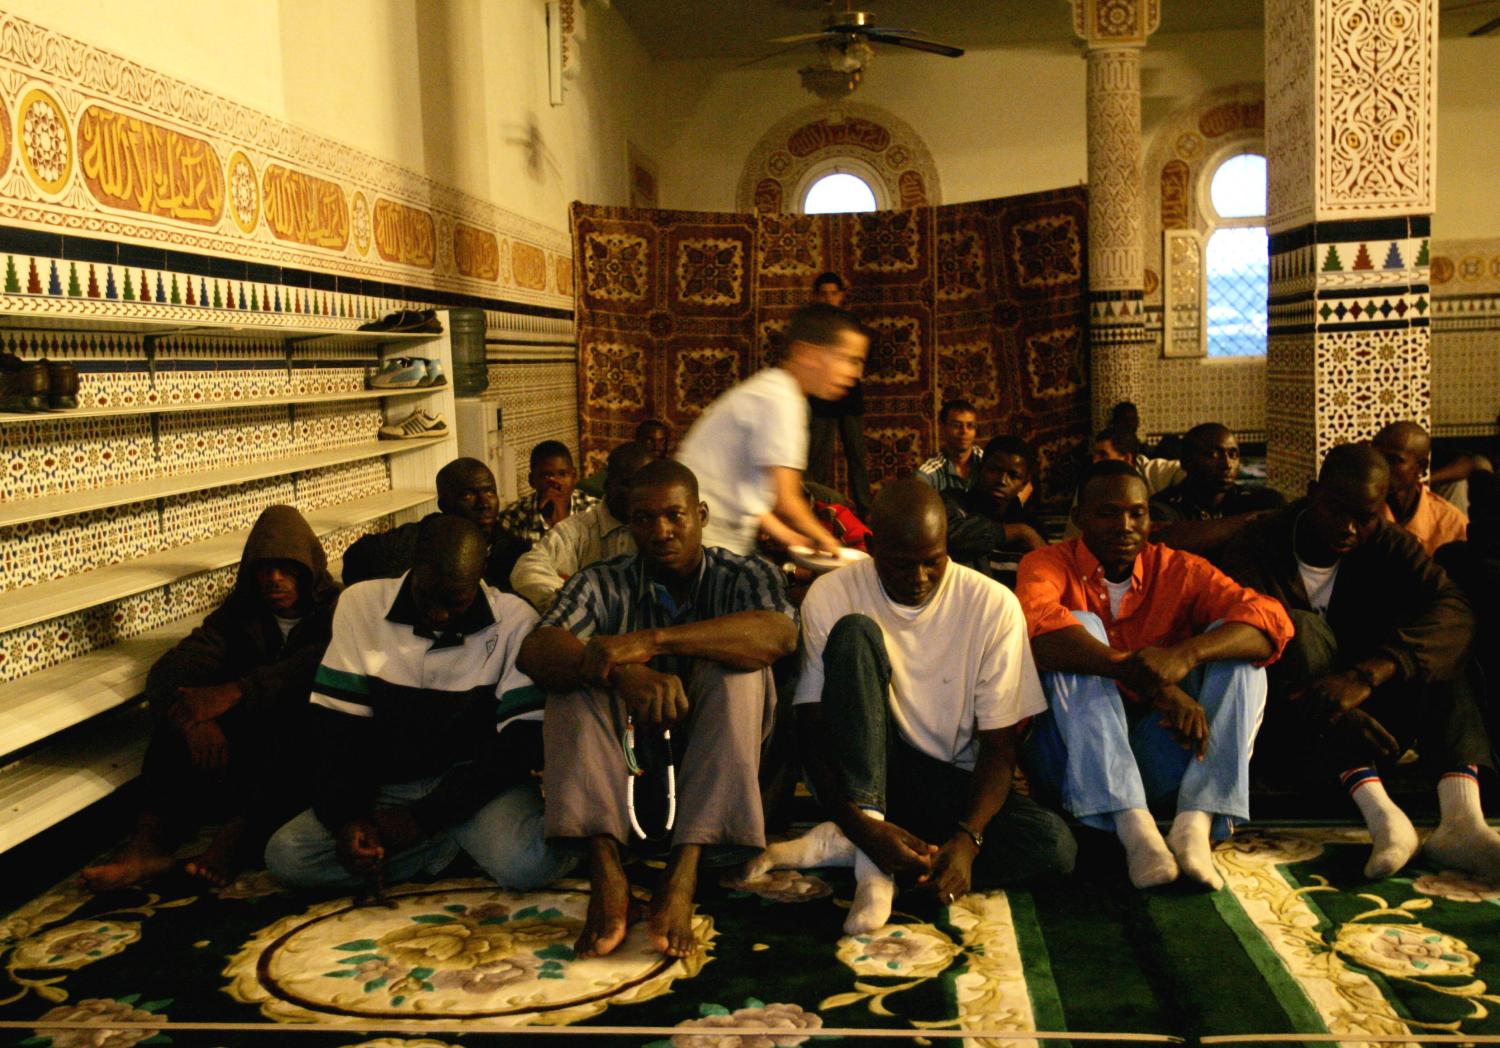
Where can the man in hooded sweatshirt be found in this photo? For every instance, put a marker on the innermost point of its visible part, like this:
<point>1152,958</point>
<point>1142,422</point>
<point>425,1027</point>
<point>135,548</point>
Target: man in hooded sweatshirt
<point>227,697</point>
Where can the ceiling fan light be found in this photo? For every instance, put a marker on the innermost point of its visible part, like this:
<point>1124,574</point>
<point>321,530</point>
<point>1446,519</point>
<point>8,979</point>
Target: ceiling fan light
<point>829,84</point>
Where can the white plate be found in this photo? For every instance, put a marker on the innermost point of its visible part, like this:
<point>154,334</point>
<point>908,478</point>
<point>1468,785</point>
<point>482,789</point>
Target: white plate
<point>815,560</point>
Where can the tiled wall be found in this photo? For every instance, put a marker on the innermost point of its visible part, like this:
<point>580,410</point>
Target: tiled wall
<point>539,401</point>
<point>1465,351</point>
<point>1465,337</point>
<point>53,642</point>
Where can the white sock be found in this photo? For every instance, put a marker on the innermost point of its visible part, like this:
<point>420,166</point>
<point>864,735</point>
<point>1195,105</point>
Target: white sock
<point>1393,839</point>
<point>823,845</point>
<point>1147,858</point>
<point>1463,840</point>
<point>874,893</point>
<point>1192,845</point>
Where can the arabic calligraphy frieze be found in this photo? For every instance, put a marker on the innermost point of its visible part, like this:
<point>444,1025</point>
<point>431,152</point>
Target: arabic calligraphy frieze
<point>476,252</point>
<point>404,234</point>
<point>305,209</point>
<point>131,164</point>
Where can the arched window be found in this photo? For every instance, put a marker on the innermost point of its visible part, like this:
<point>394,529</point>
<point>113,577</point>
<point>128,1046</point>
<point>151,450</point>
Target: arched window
<point>1236,262</point>
<point>840,191</point>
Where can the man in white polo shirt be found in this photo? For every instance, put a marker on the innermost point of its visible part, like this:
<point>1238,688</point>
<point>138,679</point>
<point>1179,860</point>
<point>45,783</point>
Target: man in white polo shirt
<point>916,673</point>
<point>749,447</point>
<point>410,701</point>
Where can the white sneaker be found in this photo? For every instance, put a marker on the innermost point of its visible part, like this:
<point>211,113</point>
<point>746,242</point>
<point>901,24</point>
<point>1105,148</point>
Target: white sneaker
<point>417,424</point>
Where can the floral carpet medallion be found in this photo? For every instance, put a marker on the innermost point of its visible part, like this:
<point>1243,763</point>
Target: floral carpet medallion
<point>1387,958</point>
<point>1297,943</point>
<point>456,949</point>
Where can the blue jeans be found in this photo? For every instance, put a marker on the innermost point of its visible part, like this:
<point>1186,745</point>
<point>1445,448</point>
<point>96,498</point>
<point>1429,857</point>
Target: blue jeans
<point>1086,751</point>
<point>504,838</point>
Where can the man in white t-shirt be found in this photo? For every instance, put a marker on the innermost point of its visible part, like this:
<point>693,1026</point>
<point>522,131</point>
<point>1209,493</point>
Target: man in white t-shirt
<point>749,447</point>
<point>915,675</point>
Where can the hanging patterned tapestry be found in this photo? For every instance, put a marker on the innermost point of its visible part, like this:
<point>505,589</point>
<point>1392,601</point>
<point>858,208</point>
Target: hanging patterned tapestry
<point>985,301</point>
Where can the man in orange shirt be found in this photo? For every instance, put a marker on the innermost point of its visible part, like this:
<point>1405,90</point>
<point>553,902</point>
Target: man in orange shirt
<point>1427,515</point>
<point>1150,656</point>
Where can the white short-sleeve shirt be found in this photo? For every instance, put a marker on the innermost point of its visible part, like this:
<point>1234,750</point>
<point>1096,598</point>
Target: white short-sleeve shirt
<point>960,663</point>
<point>756,426</point>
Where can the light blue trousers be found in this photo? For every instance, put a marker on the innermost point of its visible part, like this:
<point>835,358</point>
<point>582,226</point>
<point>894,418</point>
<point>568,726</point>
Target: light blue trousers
<point>1085,751</point>
<point>504,837</point>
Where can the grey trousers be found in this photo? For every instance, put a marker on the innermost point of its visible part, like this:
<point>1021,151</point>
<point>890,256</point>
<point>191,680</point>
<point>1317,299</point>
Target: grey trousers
<point>718,753</point>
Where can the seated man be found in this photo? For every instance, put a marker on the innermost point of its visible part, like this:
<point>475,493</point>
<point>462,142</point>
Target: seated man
<point>915,674</point>
<point>1120,443</point>
<point>465,488</point>
<point>1427,515</point>
<point>749,447</point>
<point>653,434</point>
<point>598,533</point>
<point>554,496</point>
<point>1380,661</point>
<point>1146,655</point>
<point>1209,507</point>
<point>955,467</point>
<point>229,697</point>
<point>988,528</point>
<point>410,700</point>
<point>679,637</point>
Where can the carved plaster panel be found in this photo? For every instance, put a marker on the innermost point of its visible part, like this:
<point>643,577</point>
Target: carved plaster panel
<point>1116,262</point>
<point>884,147</point>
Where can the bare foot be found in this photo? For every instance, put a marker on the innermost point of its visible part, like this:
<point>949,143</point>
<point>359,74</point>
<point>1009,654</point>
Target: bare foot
<point>220,861</point>
<point>140,861</point>
<point>609,901</point>
<point>143,856</point>
<point>670,918</point>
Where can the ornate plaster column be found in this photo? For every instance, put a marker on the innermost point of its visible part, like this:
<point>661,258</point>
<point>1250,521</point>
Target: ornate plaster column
<point>1115,31</point>
<point>1351,117</point>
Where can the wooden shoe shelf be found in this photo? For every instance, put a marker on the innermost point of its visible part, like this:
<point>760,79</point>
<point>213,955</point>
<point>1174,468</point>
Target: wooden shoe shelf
<point>74,731</point>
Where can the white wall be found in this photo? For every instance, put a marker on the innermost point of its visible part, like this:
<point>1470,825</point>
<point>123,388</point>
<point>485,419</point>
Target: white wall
<point>456,90</point>
<point>1468,139</point>
<point>997,122</point>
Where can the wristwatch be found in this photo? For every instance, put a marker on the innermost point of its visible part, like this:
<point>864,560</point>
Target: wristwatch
<point>977,838</point>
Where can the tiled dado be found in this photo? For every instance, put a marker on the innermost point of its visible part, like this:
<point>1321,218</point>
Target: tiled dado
<point>68,455</point>
<point>539,402</point>
<point>34,648</point>
<point>40,551</point>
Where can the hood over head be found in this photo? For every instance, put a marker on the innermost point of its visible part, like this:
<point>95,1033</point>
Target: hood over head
<point>281,533</point>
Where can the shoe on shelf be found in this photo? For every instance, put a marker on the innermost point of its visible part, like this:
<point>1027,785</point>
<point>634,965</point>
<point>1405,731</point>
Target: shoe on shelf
<point>62,384</point>
<point>418,322</point>
<point>385,323</point>
<point>407,322</point>
<point>434,376</point>
<point>24,384</point>
<point>400,373</point>
<point>417,424</point>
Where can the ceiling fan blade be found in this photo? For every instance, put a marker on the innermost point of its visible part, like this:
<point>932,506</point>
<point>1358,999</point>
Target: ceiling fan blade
<point>930,46</point>
<point>802,38</point>
<point>769,55</point>
<point>852,29</point>
<point>1486,29</point>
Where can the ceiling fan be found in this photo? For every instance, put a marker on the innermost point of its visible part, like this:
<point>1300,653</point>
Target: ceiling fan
<point>844,50</point>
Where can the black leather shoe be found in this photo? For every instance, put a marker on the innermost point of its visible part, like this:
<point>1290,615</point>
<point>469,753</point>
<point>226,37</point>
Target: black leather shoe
<point>24,384</point>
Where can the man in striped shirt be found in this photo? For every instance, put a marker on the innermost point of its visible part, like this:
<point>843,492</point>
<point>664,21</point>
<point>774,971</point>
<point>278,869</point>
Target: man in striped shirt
<point>410,701</point>
<point>958,464</point>
<point>598,533</point>
<point>679,637</point>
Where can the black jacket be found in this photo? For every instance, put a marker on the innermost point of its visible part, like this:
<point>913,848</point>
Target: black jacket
<point>1389,598</point>
<point>240,640</point>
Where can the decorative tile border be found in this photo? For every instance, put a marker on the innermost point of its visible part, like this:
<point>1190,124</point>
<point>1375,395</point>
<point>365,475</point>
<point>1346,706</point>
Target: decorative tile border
<point>195,170</point>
